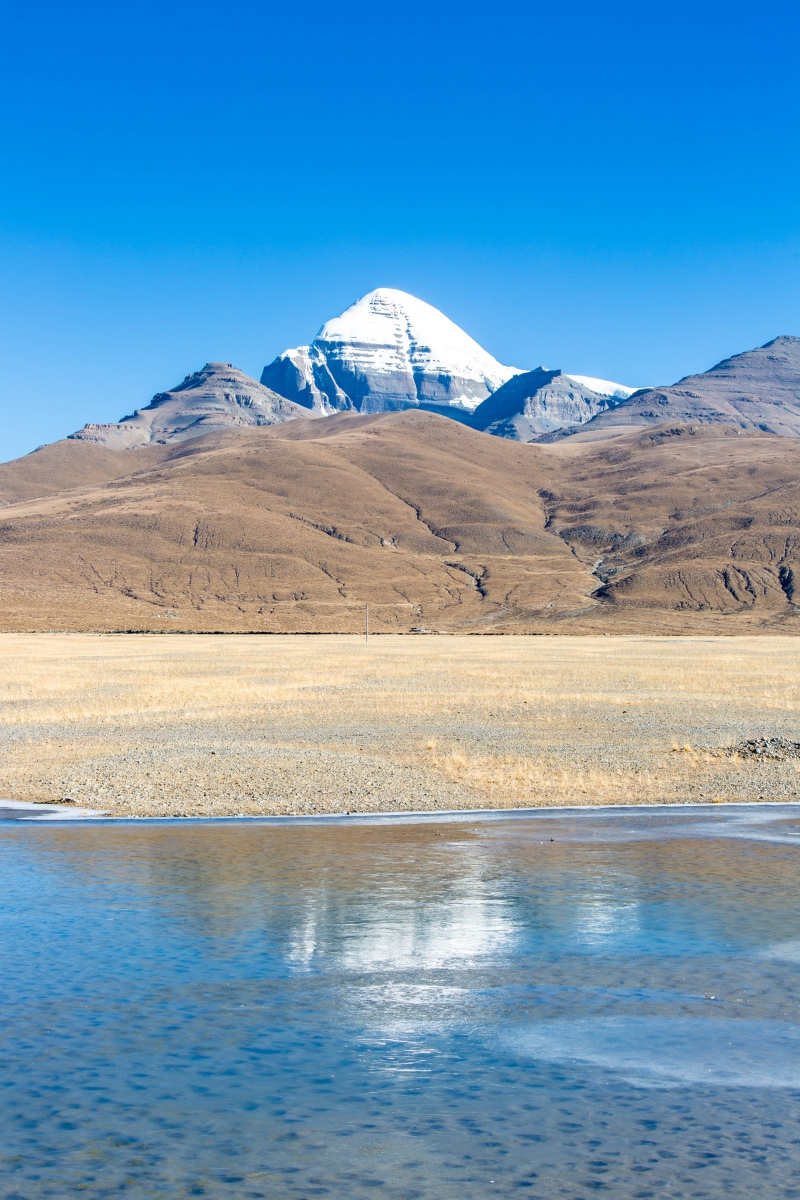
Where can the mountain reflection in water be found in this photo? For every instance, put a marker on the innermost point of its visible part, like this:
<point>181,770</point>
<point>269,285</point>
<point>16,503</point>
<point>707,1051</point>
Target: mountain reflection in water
<point>447,1009</point>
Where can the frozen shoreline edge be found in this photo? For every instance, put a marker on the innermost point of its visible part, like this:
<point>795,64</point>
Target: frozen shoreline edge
<point>25,811</point>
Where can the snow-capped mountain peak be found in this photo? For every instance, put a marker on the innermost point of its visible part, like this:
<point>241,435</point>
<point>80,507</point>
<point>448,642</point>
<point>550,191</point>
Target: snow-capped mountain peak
<point>392,328</point>
<point>388,350</point>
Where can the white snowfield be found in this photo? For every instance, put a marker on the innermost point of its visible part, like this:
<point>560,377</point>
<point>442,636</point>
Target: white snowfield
<point>604,387</point>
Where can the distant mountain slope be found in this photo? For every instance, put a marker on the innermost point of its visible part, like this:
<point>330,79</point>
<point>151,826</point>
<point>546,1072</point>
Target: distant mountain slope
<point>387,351</point>
<point>218,397</point>
<point>70,464</point>
<point>759,389</point>
<point>541,401</point>
<point>298,526</point>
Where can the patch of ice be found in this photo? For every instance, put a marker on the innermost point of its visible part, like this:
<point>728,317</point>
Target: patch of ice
<point>670,1052</point>
<point>783,952</point>
<point>24,810</point>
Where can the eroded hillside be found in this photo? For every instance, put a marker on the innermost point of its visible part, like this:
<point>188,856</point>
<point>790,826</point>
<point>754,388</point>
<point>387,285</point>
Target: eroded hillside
<point>434,525</point>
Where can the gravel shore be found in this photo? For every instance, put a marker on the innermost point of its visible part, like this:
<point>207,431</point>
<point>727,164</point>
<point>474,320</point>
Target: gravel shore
<point>189,726</point>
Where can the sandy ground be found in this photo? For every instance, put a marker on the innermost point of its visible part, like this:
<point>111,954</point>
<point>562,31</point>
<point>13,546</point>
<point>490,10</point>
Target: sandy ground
<point>189,725</point>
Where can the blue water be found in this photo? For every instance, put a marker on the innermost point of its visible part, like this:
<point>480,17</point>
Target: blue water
<point>459,1009</point>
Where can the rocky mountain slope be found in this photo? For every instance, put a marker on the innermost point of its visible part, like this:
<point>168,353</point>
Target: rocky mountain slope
<point>387,351</point>
<point>759,389</point>
<point>540,401</point>
<point>218,397</point>
<point>299,525</point>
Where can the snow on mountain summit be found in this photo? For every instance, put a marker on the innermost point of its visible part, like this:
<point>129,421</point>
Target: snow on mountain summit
<point>388,328</point>
<point>604,387</point>
<point>388,350</point>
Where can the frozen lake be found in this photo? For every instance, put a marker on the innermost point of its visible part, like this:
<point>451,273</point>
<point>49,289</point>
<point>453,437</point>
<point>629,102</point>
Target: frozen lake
<point>557,1005</point>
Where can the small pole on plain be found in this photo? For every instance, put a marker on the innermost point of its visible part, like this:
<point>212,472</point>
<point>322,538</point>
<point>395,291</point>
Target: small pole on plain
<point>366,624</point>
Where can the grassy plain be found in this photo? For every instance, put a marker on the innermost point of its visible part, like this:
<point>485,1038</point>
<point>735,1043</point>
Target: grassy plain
<point>192,724</point>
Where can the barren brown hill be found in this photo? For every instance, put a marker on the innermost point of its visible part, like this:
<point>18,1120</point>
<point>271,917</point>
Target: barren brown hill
<point>693,519</point>
<point>70,464</point>
<point>298,526</point>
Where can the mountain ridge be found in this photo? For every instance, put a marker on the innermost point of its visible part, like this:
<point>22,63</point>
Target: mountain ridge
<point>219,396</point>
<point>538,402</point>
<point>390,351</point>
<point>755,389</point>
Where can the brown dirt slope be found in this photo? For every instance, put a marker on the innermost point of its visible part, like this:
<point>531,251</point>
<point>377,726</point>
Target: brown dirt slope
<point>425,520</point>
<point>694,519</point>
<point>69,464</point>
<point>298,526</point>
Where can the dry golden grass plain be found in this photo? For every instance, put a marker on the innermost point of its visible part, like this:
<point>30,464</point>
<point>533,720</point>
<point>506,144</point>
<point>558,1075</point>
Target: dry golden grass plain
<point>191,724</point>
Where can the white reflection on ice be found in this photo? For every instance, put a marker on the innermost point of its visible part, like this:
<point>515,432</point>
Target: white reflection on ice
<point>768,824</point>
<point>304,942</point>
<point>668,1052</point>
<point>601,918</point>
<point>404,930</point>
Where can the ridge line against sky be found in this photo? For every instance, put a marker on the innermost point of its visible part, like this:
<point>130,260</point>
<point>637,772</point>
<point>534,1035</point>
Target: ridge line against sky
<point>611,192</point>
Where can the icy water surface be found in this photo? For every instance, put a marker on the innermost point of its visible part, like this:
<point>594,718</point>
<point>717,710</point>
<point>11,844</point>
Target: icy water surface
<point>558,1005</point>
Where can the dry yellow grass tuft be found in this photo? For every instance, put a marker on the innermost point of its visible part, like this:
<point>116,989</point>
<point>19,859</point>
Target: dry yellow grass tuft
<point>181,724</point>
<point>511,782</point>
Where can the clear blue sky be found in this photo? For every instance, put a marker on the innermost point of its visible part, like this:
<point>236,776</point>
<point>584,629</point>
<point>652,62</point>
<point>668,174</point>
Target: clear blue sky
<point>611,188</point>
